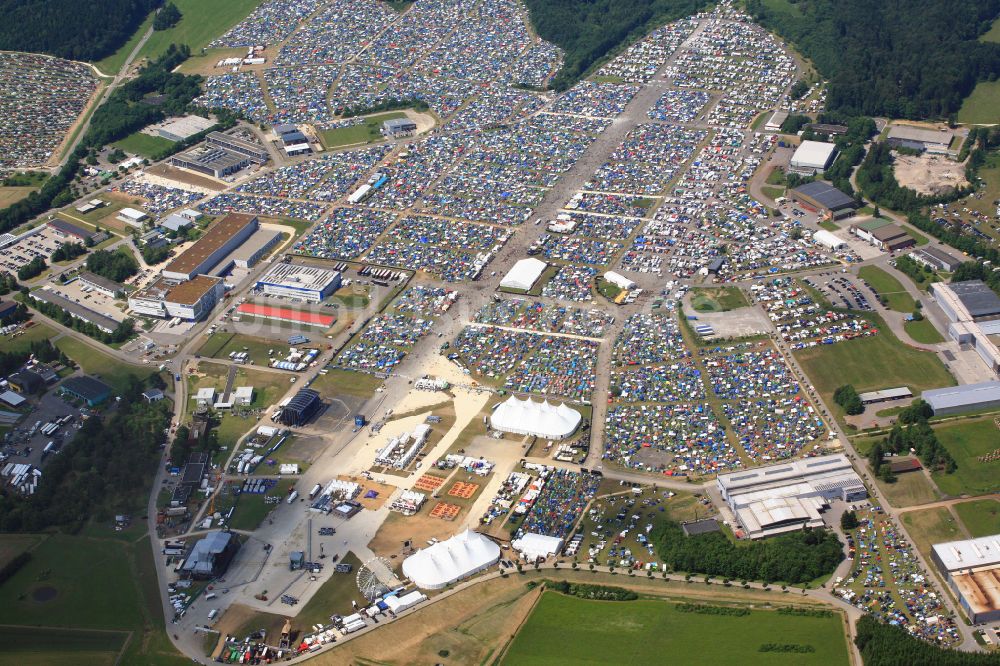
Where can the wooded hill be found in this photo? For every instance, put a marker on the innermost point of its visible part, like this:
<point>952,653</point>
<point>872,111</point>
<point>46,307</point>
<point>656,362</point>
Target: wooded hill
<point>74,29</point>
<point>896,58</point>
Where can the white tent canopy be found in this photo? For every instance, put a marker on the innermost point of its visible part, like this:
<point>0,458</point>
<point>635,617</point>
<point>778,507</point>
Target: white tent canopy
<point>534,546</point>
<point>827,239</point>
<point>524,274</point>
<point>447,561</point>
<point>541,419</point>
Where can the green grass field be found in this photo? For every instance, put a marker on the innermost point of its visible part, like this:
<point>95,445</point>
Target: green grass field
<point>878,362</point>
<point>12,194</point>
<point>23,342</point>
<point>966,441</point>
<point>345,382</point>
<point>718,299</point>
<point>980,517</point>
<point>983,105</point>
<point>220,344</point>
<point>909,489</point>
<point>931,526</point>
<point>888,288</point>
<point>251,510</point>
<point>923,331</point>
<point>143,145</point>
<point>113,63</point>
<point>200,23</point>
<point>567,630</point>
<point>12,545</point>
<point>364,133</point>
<point>27,645</point>
<point>93,362</point>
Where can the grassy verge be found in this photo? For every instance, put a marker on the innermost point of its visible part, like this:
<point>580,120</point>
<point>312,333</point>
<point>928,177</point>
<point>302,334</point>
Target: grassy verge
<point>967,441</point>
<point>144,145</point>
<point>980,517</point>
<point>364,132</point>
<point>888,288</point>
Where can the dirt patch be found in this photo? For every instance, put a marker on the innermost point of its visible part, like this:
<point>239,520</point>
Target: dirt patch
<point>382,490</point>
<point>168,172</point>
<point>44,594</point>
<point>419,529</point>
<point>929,174</point>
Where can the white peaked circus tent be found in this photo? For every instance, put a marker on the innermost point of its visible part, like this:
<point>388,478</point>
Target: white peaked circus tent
<point>524,274</point>
<point>541,419</point>
<point>451,560</point>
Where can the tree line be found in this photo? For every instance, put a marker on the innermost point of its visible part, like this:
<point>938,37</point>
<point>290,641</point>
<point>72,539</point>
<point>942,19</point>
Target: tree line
<point>70,29</point>
<point>592,30</point>
<point>104,470</point>
<point>795,557</point>
<point>124,331</point>
<point>915,59</point>
<point>117,266</point>
<point>887,645</point>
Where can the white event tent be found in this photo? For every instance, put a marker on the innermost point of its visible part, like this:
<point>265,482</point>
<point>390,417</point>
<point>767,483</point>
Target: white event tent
<point>445,562</point>
<point>541,419</point>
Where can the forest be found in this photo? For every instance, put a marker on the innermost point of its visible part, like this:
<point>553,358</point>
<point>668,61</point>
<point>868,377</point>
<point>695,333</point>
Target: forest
<point>588,31</point>
<point>117,265</point>
<point>796,557</point>
<point>70,29</point>
<point>886,645</point>
<point>104,470</point>
<point>914,59</point>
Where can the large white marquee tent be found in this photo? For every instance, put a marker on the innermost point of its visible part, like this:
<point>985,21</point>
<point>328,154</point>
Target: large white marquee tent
<point>541,419</point>
<point>451,560</point>
<point>524,274</point>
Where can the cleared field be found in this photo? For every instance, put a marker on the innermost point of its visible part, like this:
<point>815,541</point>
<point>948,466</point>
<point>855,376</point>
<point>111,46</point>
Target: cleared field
<point>567,630</point>
<point>220,345</point>
<point>931,526</point>
<point>200,23</point>
<point>909,489</point>
<point>872,363</point>
<point>143,145</point>
<point>980,517</point>
<point>362,133</point>
<point>9,195</point>
<point>718,299</point>
<point>888,288</point>
<point>967,441</point>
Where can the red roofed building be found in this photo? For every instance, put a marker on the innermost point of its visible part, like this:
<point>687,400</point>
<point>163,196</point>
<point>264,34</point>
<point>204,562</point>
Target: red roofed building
<point>286,314</point>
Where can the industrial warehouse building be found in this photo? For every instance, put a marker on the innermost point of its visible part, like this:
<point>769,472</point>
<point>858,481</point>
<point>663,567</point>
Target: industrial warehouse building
<point>972,569</point>
<point>75,310</point>
<point>101,284</point>
<point>211,556</point>
<point>307,283</point>
<point>184,127</point>
<point>824,199</point>
<point>974,311</point>
<point>222,238</point>
<point>789,496</point>
<point>883,234</point>
<point>189,300</point>
<point>220,155</point>
<point>936,259</point>
<point>885,395</point>
<point>922,139</point>
<point>88,389</point>
<point>300,408</point>
<point>396,127</point>
<point>255,152</point>
<point>958,399</point>
<point>812,157</point>
<point>540,419</point>
<point>72,232</point>
<point>446,562</point>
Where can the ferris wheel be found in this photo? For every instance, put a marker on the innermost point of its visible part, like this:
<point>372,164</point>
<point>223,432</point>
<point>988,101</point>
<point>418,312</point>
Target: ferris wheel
<point>375,578</point>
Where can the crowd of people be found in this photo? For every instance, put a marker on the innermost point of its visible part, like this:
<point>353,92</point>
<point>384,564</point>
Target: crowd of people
<point>560,504</point>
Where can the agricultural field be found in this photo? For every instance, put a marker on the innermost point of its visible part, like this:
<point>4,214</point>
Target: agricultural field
<point>365,132</point>
<point>567,630</point>
<point>872,363</point>
<point>12,194</point>
<point>143,145</point>
<point>720,299</point>
<point>981,106</point>
<point>65,587</point>
<point>967,441</point>
<point>12,545</point>
<point>980,517</point>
